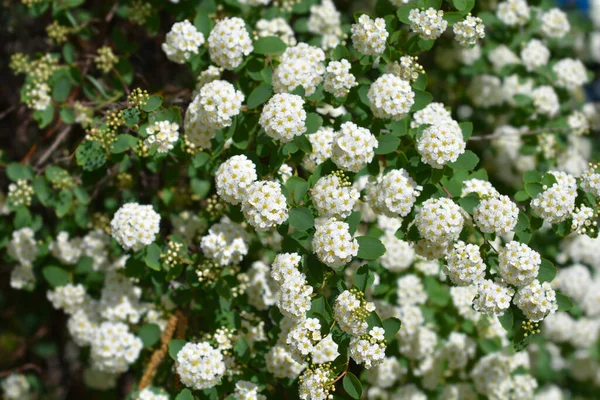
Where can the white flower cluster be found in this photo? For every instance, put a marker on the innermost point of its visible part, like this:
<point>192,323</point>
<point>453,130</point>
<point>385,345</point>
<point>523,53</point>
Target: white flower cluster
<point>200,366</point>
<point>464,265</point>
<point>433,114</point>
<point>163,134</point>
<point>229,42</point>
<point>482,188</point>
<point>368,349</point>
<point>394,194</point>
<point>535,55</point>
<point>387,373</point>
<point>233,178</point>
<point>325,351</point>
<point>333,198</point>
<point>209,75</point>
<point>68,297</point>
<point>439,220</point>
<point>410,290</point>
<point>408,68</point>
<point>65,250</point>
<point>536,300</point>
<point>322,146</point>
<point>513,12</point>
<point>518,263</point>
<point>135,226</point>
<point>283,117</point>
<point>217,102</point>
<point>38,96</point>
<point>582,218</point>
<point>114,348</point>
<point>570,73</point>
<point>555,23</point>
<point>333,244</point>
<point>245,390</point>
<point>338,80</point>
<point>369,36</point>
<point>469,30</point>
<point>492,297</point>
<point>120,299</point>
<point>293,294</point>
<point>301,65</point>
<point>353,147</point>
<point>261,289</point>
<point>441,143</point>
<point>303,337</point>
<point>265,205</point>
<point>496,214</point>
<point>390,97</point>
<point>351,311</point>
<point>486,91</point>
<point>147,394</point>
<point>590,181</point>
<point>545,100</point>
<point>399,254</point>
<point>428,24</point>
<point>276,27</point>
<point>501,56</point>
<point>316,383</point>
<point>556,204</point>
<point>325,20</point>
<point>16,387</point>
<point>281,364</point>
<point>226,242</point>
<point>182,40</point>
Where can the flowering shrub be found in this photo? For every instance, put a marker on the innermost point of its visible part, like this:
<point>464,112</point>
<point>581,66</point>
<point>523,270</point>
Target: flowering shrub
<point>293,215</point>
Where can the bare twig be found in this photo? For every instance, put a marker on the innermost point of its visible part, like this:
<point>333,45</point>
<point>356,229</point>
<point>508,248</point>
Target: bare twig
<point>527,133</point>
<point>57,141</point>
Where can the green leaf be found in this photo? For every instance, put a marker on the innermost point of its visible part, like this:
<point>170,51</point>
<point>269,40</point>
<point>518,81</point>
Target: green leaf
<point>364,277</point>
<point>547,271</point>
<point>269,45</point>
<point>313,123</point>
<point>353,220</point>
<point>16,171</point>
<point>467,129</point>
<point>152,258</point>
<point>123,143</point>
<point>67,116</point>
<point>426,44</point>
<point>68,52</point>
<point>22,218</point>
<point>42,190</point>
<point>468,160</point>
<point>521,195</point>
<point>175,345</point>
<point>352,385</point>
<point>391,327</point>
<point>185,394</point>
<point>55,276</point>
<point>301,218</point>
<point>90,155</point>
<point>403,13</point>
<point>153,103</point>
<point>533,189</point>
<point>469,202</point>
<point>507,320</point>
<point>460,4</point>
<point>437,293</point>
<point>203,23</point>
<point>422,99</point>
<point>149,334</point>
<point>64,202</point>
<point>242,350</point>
<point>370,248</point>
<point>259,95</point>
<point>522,223</point>
<point>61,89</point>
<point>339,52</point>
<point>200,159</point>
<point>453,17</point>
<point>532,177</point>
<point>564,302</point>
<point>297,187</point>
<point>387,144</point>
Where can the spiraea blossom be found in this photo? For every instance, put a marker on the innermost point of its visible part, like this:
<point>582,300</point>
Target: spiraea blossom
<point>338,80</point>
<point>464,264</point>
<point>428,24</point>
<point>229,42</point>
<point>369,36</point>
<point>390,97</point>
<point>513,12</point>
<point>496,214</point>
<point>536,300</point>
<point>519,264</point>
<point>265,206</point>
<point>226,242</point>
<point>163,135</point>
<point>571,73</point>
<point>200,366</point>
<point>535,55</point>
<point>283,117</point>
<point>135,226</point>
<point>233,178</point>
<point>555,23</point>
<point>469,30</point>
<point>353,147</point>
<point>394,194</point>
<point>333,244</point>
<point>441,144</point>
<point>333,197</point>
<point>556,203</point>
<point>439,220</point>
<point>492,297</point>
<point>182,41</point>
<point>301,65</point>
